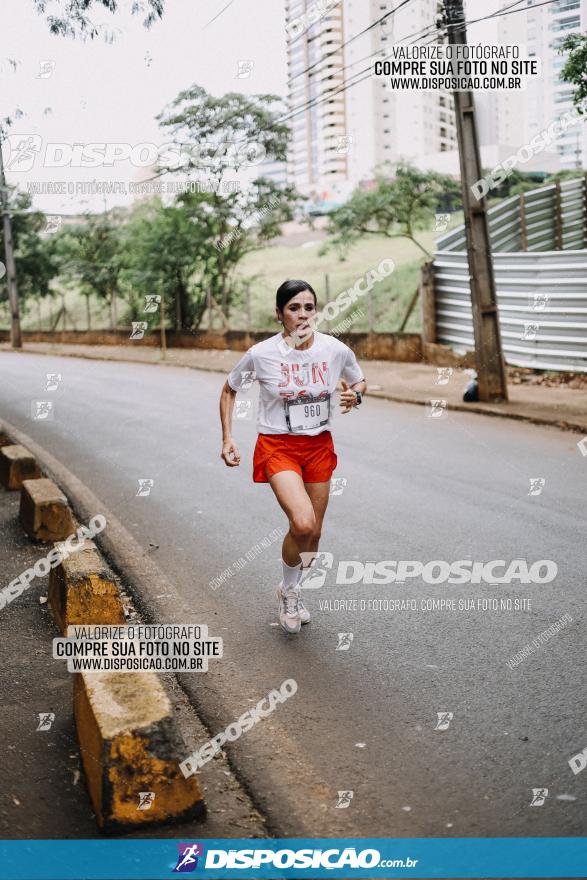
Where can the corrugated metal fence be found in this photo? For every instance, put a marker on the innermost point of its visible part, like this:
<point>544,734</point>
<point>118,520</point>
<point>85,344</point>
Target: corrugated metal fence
<point>540,263</point>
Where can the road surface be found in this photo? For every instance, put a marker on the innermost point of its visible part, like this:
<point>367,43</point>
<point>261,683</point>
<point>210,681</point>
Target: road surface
<point>364,720</point>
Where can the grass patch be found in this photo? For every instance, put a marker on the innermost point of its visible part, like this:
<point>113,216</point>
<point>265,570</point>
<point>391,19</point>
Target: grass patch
<point>273,265</point>
<point>265,270</point>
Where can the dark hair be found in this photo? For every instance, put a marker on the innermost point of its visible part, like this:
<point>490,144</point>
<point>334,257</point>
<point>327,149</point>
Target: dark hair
<point>289,289</point>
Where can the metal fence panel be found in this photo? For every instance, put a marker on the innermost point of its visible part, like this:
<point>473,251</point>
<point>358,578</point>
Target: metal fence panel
<point>542,302</point>
<point>541,291</point>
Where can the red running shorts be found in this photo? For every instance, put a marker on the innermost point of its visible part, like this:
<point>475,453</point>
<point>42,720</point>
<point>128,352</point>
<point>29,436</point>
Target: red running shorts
<point>311,456</point>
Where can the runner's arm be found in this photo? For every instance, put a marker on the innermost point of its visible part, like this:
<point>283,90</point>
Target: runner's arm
<point>230,454</point>
<point>359,386</point>
<point>349,370</point>
<point>227,399</point>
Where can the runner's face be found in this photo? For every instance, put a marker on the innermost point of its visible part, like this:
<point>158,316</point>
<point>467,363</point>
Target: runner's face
<point>297,312</point>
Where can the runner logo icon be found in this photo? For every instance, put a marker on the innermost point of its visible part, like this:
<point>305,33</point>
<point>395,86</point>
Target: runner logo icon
<point>539,795</point>
<point>187,860</point>
<point>314,577</point>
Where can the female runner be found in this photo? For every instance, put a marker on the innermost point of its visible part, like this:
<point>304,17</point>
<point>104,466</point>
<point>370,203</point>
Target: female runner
<point>298,371</point>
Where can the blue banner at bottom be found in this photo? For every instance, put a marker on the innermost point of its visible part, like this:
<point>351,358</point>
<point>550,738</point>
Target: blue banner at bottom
<point>502,857</point>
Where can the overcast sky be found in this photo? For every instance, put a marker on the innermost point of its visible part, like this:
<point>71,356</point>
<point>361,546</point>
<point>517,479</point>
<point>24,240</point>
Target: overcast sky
<point>99,92</point>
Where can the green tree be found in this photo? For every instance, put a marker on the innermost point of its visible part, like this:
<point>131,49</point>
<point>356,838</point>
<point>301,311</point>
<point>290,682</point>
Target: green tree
<point>396,207</point>
<point>35,266</point>
<point>216,138</point>
<point>516,182</point>
<point>90,256</point>
<point>162,253</point>
<point>230,227</point>
<point>575,69</point>
<point>565,174</point>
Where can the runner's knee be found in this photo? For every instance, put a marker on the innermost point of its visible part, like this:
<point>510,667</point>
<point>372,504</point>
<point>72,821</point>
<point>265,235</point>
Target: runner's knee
<point>302,526</point>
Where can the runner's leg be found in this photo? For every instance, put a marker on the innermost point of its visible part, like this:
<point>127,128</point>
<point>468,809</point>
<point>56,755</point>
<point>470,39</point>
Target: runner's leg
<point>291,494</point>
<point>294,500</point>
<point>318,494</point>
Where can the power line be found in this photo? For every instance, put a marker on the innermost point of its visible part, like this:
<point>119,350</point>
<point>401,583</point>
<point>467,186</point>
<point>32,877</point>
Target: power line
<point>499,14</point>
<point>353,63</point>
<point>431,27</point>
<point>320,99</point>
<point>368,57</point>
<point>332,92</point>
<point>218,14</point>
<point>526,9</point>
<point>350,40</point>
<point>507,10</point>
<point>315,102</point>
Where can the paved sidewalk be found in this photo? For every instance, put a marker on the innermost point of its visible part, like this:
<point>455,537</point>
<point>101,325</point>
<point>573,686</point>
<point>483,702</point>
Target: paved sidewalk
<point>43,793</point>
<point>561,406</point>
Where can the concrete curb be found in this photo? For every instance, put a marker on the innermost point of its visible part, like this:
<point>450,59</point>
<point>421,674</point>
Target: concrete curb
<point>157,597</point>
<point>16,465</point>
<point>128,737</point>
<point>484,410</point>
<point>83,590</point>
<point>44,511</point>
<point>561,424</point>
<point>130,745</point>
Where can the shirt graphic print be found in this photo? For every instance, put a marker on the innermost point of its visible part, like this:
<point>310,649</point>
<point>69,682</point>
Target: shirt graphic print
<point>289,375</point>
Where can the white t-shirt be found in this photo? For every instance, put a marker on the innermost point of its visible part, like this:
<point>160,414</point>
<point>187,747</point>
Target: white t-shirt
<point>287,375</point>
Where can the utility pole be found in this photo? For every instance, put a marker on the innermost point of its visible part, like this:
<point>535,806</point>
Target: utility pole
<point>15,335</point>
<point>162,328</point>
<point>490,364</point>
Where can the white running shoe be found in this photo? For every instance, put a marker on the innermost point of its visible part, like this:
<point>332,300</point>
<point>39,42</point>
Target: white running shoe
<point>289,611</point>
<point>305,616</point>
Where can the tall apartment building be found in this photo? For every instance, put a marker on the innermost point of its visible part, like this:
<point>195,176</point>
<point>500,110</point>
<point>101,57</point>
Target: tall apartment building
<point>338,142</point>
<point>314,65</point>
<point>500,115</point>
<point>549,97</point>
<point>512,118</point>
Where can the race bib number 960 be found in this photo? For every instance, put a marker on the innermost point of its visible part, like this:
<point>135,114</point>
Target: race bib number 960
<point>306,413</point>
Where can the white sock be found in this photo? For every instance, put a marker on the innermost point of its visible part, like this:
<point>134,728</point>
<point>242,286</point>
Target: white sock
<point>291,576</point>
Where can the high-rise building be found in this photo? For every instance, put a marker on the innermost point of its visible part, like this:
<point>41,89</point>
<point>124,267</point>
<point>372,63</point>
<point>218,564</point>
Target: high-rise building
<point>501,115</point>
<point>549,96</point>
<point>314,65</point>
<point>340,138</point>
<point>511,119</point>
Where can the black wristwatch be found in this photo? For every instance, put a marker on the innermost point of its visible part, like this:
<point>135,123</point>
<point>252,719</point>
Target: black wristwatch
<point>359,397</point>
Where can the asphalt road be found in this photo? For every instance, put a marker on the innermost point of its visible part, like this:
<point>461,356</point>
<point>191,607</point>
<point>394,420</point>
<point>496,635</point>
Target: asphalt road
<point>363,719</point>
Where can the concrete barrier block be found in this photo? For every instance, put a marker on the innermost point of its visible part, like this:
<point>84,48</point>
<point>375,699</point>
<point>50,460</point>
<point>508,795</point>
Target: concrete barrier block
<point>44,512</point>
<point>16,465</point>
<point>83,590</point>
<point>129,744</point>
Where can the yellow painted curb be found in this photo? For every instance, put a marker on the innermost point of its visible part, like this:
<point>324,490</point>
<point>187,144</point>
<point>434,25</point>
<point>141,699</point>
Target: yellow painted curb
<point>130,744</point>
<point>16,464</point>
<point>83,590</point>
<point>44,511</point>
